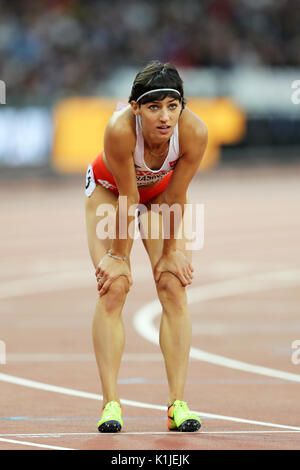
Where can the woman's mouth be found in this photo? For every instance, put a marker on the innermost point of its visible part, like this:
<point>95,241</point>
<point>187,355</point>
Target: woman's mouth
<point>164,129</point>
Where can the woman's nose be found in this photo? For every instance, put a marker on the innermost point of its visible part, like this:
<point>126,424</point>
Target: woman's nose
<point>164,115</point>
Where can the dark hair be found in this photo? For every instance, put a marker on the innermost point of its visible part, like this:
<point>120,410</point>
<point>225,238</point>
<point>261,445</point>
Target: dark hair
<point>157,75</point>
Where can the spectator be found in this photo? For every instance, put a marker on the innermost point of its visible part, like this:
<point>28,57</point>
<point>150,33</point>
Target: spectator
<point>53,48</point>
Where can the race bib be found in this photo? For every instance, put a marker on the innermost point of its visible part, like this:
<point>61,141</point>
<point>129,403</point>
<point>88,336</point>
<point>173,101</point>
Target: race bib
<point>90,183</point>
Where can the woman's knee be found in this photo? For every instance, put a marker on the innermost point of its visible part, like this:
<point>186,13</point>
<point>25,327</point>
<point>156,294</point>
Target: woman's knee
<point>171,290</point>
<point>115,297</point>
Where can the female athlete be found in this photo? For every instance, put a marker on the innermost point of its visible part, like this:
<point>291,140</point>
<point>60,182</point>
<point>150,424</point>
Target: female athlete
<point>152,150</point>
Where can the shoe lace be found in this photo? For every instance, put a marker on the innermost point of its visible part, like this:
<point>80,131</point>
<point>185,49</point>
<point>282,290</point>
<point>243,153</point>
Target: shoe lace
<point>111,407</point>
<point>182,405</point>
<point>112,404</point>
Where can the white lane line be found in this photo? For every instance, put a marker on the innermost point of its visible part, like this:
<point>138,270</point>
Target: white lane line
<point>46,283</point>
<point>32,444</point>
<point>92,396</point>
<point>78,357</point>
<point>167,433</point>
<point>58,281</point>
<point>144,318</point>
<point>170,433</point>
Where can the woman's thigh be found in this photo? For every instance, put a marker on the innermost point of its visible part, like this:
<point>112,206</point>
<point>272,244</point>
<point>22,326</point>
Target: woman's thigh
<point>100,221</point>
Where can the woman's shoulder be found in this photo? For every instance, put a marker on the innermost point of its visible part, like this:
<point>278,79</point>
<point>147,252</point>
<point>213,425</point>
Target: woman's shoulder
<point>120,135</point>
<point>190,122</point>
<point>191,129</point>
<point>122,123</point>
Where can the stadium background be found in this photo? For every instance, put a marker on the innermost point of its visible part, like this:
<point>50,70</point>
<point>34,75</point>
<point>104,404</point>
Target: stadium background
<point>64,64</point>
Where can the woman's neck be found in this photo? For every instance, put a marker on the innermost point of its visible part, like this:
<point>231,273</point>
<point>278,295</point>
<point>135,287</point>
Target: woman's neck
<point>157,149</point>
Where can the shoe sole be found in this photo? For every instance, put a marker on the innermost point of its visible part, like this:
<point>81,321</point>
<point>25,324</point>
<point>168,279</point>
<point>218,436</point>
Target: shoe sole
<point>110,426</point>
<point>190,425</point>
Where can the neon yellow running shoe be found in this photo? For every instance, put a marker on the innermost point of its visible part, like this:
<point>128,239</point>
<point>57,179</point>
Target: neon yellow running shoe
<point>111,419</point>
<point>181,419</point>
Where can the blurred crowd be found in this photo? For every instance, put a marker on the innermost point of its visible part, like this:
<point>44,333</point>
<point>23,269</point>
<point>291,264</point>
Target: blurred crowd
<point>51,48</point>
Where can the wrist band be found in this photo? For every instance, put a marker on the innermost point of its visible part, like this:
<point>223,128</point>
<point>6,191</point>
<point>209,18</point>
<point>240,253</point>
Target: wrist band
<point>124,258</point>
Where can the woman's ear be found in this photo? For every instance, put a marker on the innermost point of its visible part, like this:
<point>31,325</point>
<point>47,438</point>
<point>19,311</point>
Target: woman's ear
<point>135,108</point>
<point>182,107</point>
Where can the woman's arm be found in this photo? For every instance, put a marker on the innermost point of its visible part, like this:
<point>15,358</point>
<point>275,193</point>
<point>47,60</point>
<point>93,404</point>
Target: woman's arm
<point>119,142</point>
<point>194,143</point>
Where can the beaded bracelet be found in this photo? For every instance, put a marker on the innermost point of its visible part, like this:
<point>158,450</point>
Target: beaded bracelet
<point>124,258</point>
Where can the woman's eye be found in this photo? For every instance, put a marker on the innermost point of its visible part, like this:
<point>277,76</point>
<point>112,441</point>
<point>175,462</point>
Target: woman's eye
<point>154,107</point>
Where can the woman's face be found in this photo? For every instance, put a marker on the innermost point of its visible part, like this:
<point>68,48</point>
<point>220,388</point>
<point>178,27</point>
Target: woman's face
<point>159,118</point>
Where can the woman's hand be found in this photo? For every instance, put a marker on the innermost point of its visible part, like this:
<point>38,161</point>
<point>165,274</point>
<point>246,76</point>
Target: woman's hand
<point>110,269</point>
<point>176,263</point>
